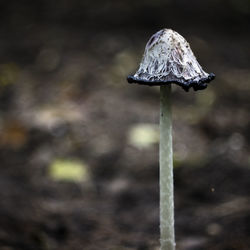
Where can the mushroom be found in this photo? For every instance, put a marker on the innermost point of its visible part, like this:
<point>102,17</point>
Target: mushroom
<point>168,59</point>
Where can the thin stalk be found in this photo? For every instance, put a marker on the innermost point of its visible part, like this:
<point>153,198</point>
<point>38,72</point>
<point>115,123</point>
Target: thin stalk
<point>166,172</point>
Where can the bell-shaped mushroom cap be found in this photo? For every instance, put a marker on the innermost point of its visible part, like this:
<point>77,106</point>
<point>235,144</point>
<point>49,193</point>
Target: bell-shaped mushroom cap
<point>168,58</point>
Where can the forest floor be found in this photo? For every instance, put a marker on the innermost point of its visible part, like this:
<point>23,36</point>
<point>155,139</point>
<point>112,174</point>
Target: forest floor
<point>79,146</point>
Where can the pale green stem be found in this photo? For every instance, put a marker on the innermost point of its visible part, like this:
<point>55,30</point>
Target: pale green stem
<point>166,172</point>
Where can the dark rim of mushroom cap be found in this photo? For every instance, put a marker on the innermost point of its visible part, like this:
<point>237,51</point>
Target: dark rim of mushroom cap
<point>185,84</point>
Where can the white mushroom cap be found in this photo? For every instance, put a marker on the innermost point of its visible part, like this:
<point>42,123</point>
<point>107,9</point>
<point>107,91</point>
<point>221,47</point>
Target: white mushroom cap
<point>168,58</point>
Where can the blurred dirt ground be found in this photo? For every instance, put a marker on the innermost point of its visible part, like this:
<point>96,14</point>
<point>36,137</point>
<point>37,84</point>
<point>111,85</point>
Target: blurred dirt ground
<point>79,146</point>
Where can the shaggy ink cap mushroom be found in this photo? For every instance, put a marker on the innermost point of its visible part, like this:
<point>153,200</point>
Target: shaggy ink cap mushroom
<point>168,59</point>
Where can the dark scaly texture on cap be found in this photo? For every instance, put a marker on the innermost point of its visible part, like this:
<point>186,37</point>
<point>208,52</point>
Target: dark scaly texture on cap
<point>168,59</point>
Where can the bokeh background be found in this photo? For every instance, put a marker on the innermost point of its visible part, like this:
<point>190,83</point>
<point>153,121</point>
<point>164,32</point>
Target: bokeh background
<point>79,146</point>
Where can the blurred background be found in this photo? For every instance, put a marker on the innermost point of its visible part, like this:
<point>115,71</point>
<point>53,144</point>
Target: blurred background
<point>79,146</point>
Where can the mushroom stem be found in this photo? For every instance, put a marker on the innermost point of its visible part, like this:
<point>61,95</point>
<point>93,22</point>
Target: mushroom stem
<point>166,172</point>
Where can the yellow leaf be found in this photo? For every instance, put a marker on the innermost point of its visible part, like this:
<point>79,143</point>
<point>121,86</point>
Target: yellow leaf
<point>143,135</point>
<point>68,170</point>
